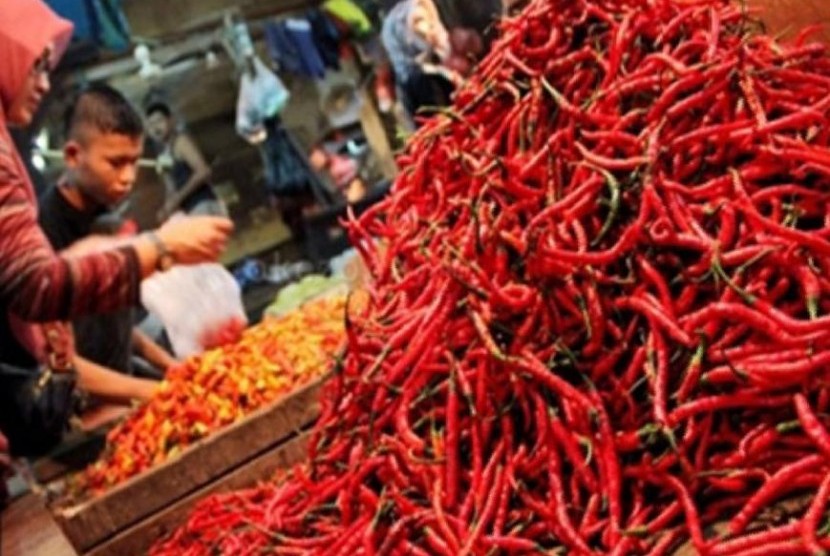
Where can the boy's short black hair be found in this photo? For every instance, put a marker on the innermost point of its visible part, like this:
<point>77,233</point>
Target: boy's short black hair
<point>104,109</point>
<point>160,107</point>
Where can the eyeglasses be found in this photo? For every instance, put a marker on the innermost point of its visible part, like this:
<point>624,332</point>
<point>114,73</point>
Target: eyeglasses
<point>44,62</point>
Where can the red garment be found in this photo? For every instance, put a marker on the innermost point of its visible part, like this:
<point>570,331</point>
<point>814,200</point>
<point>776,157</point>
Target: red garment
<point>35,283</point>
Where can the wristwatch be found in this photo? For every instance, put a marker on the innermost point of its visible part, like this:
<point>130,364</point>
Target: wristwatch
<point>164,258</point>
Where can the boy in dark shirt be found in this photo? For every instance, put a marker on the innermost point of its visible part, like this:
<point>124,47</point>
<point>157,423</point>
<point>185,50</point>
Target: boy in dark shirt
<point>104,139</point>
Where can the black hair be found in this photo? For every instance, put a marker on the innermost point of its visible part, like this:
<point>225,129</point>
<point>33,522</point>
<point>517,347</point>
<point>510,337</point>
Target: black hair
<point>104,109</point>
<point>160,107</point>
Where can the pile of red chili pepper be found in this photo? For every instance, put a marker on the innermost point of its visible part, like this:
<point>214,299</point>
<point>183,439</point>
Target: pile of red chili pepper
<point>599,320</point>
<point>210,391</point>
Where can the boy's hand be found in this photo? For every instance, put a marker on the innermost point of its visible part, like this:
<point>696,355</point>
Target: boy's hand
<point>195,239</point>
<point>144,391</point>
<point>166,361</point>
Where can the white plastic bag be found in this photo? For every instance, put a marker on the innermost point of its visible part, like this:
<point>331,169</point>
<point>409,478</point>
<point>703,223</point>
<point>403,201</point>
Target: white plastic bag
<point>200,306</point>
<point>261,96</point>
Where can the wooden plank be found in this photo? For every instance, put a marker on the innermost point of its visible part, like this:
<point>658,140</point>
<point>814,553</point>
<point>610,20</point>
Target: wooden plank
<point>27,528</point>
<point>70,457</point>
<point>186,86</point>
<point>163,55</point>
<point>93,522</point>
<point>154,19</point>
<point>139,538</point>
<point>81,447</point>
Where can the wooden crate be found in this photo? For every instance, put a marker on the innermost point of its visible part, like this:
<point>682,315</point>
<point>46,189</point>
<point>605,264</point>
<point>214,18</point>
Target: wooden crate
<point>149,504</point>
<point>137,539</point>
<point>75,453</point>
<point>79,448</point>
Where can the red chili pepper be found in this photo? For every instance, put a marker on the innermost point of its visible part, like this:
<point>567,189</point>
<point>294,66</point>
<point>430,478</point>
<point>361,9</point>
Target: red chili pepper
<point>756,540</point>
<point>512,544</point>
<point>609,163</point>
<point>656,316</point>
<point>812,426</point>
<point>724,401</point>
<point>812,518</point>
<point>437,544</point>
<point>614,241</point>
<point>771,490</point>
<point>780,548</point>
<point>666,542</point>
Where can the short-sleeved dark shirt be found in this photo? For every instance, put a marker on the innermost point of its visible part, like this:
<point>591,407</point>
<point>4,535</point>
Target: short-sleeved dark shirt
<point>105,339</point>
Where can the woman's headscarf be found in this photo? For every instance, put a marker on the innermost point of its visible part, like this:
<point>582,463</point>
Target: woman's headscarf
<point>27,27</point>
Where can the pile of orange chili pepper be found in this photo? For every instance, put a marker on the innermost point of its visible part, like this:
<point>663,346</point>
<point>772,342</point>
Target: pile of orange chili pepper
<point>217,388</point>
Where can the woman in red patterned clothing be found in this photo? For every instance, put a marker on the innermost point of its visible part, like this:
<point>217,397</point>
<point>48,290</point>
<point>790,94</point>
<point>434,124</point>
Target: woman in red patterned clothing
<point>37,285</point>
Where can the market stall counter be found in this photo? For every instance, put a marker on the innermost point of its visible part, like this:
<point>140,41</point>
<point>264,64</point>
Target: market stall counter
<point>223,420</point>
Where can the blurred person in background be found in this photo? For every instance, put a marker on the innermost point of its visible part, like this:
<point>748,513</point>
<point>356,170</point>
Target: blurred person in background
<point>428,61</point>
<point>188,175</point>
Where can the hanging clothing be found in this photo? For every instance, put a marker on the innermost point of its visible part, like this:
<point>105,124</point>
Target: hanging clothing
<point>79,12</point>
<point>326,38</point>
<point>286,172</point>
<point>110,24</point>
<point>292,47</point>
<point>373,10</point>
<point>99,21</point>
<point>281,48</point>
<point>300,32</point>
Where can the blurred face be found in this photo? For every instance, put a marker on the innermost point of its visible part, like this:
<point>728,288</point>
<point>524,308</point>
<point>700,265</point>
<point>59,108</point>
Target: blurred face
<point>23,108</point>
<point>426,22</point>
<point>103,166</point>
<point>159,126</point>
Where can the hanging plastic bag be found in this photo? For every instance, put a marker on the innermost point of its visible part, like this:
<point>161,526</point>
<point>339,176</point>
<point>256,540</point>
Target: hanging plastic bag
<point>200,306</point>
<point>261,96</point>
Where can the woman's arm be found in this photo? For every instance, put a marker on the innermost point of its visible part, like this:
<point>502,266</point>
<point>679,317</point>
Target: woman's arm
<point>38,285</point>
